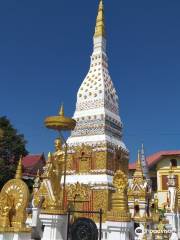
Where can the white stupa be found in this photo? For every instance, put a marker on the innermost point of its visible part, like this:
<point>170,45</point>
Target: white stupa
<point>97,110</point>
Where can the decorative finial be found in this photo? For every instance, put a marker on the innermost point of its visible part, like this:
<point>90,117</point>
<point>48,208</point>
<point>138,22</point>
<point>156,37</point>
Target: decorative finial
<point>100,25</point>
<point>19,169</point>
<point>142,147</point>
<point>138,172</point>
<point>61,112</point>
<point>139,157</point>
<point>49,157</point>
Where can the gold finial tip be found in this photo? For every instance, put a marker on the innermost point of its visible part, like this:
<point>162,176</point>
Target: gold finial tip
<point>101,3</point>
<point>49,160</point>
<point>138,155</point>
<point>19,169</point>
<point>139,158</point>
<point>61,112</point>
<point>100,25</point>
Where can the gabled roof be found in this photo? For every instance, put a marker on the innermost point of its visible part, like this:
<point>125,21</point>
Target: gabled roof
<point>156,157</point>
<point>31,163</point>
<point>31,160</point>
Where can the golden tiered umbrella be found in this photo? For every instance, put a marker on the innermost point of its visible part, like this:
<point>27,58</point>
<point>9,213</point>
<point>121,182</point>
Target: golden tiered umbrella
<point>60,122</point>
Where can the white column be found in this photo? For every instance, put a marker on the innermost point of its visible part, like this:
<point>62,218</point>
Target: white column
<point>35,223</point>
<point>15,236</point>
<point>171,218</point>
<point>178,230</point>
<point>119,230</point>
<point>55,226</point>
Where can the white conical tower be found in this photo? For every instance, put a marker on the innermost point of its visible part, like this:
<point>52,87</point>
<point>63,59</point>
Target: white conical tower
<point>95,148</point>
<point>144,163</point>
<point>97,110</point>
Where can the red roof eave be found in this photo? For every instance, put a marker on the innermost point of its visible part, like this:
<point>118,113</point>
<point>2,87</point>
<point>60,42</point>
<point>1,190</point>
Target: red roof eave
<point>156,157</point>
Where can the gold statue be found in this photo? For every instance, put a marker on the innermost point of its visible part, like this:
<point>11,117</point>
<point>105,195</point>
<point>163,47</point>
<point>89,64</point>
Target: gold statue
<point>14,199</point>
<point>59,156</point>
<point>50,187</point>
<point>5,207</point>
<point>120,181</point>
<point>119,209</point>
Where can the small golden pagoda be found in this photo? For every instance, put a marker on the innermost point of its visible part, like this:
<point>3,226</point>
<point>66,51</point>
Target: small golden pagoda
<point>139,195</point>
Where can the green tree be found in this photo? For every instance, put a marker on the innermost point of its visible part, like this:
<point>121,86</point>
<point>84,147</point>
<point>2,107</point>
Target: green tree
<point>12,146</point>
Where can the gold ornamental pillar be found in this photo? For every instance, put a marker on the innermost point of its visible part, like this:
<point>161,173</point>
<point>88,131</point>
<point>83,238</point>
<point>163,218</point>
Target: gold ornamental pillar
<point>119,204</point>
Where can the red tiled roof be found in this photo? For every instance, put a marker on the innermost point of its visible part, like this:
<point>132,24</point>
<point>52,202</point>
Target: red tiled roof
<point>156,157</point>
<point>33,163</point>
<point>31,160</point>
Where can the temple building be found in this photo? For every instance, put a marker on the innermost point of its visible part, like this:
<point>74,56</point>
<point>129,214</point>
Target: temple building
<point>96,148</point>
<point>159,165</point>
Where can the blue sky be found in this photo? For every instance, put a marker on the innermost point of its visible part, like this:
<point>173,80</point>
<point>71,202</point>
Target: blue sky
<point>45,49</point>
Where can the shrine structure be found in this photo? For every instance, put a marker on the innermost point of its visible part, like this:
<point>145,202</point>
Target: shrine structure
<point>95,148</point>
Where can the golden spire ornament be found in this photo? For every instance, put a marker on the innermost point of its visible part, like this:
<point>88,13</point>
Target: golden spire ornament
<point>49,157</point>
<point>138,172</point>
<point>100,25</point>
<point>61,112</point>
<point>19,169</point>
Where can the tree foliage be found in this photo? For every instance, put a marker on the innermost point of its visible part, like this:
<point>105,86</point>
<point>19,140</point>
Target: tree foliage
<point>12,146</point>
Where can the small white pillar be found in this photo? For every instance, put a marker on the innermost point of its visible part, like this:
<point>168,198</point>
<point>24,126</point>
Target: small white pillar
<point>119,230</point>
<point>174,236</point>
<point>35,224</point>
<point>15,236</point>
<point>171,217</point>
<point>55,226</point>
<point>178,225</point>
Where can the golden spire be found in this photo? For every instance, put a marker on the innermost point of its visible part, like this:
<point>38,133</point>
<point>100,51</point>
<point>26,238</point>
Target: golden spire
<point>61,112</point>
<point>138,164</point>
<point>19,169</point>
<point>138,172</point>
<point>49,157</point>
<point>100,25</point>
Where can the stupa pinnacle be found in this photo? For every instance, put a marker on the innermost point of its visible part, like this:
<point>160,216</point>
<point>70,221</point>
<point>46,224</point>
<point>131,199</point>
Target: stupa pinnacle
<point>100,26</point>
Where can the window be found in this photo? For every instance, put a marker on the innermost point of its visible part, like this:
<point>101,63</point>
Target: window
<point>173,162</point>
<point>164,182</point>
<point>136,209</point>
